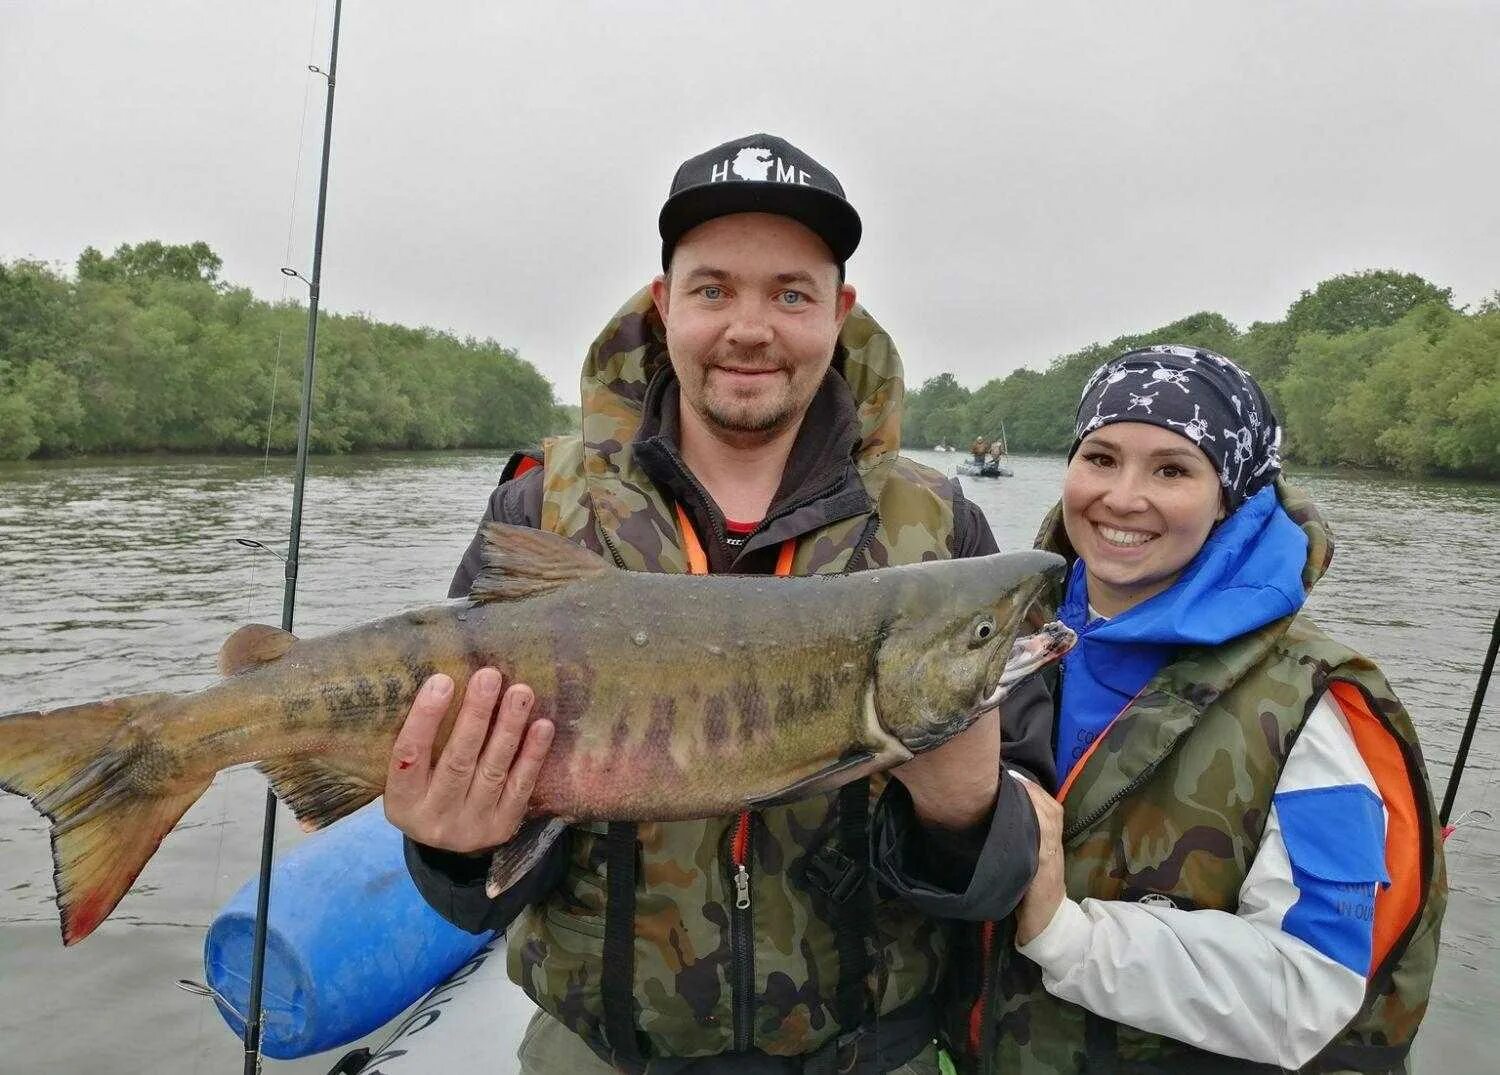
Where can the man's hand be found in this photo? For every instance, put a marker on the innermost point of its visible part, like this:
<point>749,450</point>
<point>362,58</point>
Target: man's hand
<point>954,786</point>
<point>474,797</point>
<point>1047,889</point>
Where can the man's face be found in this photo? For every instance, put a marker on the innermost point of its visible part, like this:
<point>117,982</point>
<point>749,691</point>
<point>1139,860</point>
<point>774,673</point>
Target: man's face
<point>752,307</point>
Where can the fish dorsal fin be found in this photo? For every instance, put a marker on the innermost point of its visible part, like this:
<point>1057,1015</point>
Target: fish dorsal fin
<point>251,646</point>
<point>522,562</point>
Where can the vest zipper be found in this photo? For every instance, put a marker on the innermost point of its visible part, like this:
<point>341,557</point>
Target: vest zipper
<point>697,486</point>
<point>980,1012</point>
<point>1108,804</point>
<point>604,536</point>
<point>741,937</point>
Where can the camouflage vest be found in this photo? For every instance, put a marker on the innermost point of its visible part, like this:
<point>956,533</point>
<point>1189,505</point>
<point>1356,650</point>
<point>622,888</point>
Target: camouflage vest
<point>1172,803</point>
<point>680,939</point>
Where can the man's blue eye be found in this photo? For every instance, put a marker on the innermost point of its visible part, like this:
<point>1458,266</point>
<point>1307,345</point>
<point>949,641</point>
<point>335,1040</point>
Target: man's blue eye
<point>792,298</point>
<point>710,292</point>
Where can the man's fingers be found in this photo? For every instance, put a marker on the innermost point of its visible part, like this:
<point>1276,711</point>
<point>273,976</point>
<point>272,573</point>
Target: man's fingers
<point>406,779</point>
<point>454,771</point>
<point>522,779</point>
<point>500,749</point>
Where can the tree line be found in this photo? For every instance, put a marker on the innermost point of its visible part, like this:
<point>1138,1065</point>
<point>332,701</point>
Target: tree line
<point>146,349</point>
<point>1373,369</point>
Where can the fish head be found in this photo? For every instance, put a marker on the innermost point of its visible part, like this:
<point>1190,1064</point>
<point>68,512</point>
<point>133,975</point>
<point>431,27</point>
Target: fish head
<point>964,634</point>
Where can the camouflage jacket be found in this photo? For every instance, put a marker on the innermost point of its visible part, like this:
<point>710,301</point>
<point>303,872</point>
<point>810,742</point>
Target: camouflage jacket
<point>1172,803</point>
<point>707,977</point>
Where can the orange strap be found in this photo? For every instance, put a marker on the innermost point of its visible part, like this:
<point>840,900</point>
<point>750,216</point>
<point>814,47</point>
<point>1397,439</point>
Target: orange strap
<point>1062,792</point>
<point>698,560</point>
<point>1397,903</point>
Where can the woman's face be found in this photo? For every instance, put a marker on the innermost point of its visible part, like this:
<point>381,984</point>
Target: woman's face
<point>1138,503</point>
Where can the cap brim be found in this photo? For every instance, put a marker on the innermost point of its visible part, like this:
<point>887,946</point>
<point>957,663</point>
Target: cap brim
<point>827,215</point>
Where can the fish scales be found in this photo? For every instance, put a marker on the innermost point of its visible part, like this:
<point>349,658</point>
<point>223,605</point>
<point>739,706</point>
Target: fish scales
<point>757,688</point>
<point>672,696</point>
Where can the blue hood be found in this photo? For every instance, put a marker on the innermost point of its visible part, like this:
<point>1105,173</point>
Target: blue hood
<point>1248,573</point>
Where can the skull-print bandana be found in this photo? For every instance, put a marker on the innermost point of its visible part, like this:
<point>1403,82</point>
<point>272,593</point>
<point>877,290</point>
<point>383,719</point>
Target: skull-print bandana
<point>1197,394</point>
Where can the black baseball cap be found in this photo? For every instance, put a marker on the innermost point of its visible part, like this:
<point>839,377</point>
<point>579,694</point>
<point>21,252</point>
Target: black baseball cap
<point>759,173</point>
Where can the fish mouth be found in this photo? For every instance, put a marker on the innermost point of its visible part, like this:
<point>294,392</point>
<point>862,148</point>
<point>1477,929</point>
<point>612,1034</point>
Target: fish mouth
<point>1028,655</point>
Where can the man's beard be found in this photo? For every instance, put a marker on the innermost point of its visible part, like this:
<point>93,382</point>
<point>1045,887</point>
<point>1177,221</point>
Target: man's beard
<point>761,413</point>
<point>749,417</point>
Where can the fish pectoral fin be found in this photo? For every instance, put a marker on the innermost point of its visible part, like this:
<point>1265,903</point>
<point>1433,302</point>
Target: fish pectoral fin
<point>317,792</point>
<point>520,854</point>
<point>251,646</point>
<point>521,562</point>
<point>849,768</point>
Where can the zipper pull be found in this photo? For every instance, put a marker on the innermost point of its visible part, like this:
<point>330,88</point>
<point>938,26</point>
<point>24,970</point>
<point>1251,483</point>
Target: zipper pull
<point>739,851</point>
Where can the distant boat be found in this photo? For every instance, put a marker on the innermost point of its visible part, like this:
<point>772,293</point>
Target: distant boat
<point>944,447</point>
<point>991,469</point>
<point>992,465</point>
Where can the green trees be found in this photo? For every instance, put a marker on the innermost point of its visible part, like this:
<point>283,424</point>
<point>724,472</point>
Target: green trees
<point>146,349</point>
<point>936,413</point>
<point>1370,369</point>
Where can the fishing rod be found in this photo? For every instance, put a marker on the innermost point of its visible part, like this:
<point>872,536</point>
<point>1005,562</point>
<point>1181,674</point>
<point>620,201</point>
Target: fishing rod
<point>1457,772</point>
<point>294,542</point>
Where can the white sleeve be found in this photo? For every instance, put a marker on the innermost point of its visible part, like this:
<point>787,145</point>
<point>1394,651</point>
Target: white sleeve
<point>1275,982</point>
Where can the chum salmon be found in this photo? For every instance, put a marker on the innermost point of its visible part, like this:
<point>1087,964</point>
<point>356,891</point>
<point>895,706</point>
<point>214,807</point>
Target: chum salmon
<point>672,696</point>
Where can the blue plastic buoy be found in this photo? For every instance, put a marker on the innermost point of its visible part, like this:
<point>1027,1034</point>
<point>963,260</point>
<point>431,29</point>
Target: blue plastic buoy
<point>349,943</point>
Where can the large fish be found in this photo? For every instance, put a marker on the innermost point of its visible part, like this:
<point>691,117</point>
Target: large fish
<point>673,697</point>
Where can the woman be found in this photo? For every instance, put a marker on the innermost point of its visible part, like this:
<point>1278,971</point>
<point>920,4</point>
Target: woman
<point>1244,873</point>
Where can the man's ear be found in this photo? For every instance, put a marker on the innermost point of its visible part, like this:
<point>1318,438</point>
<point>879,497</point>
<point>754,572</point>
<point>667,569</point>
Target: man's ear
<point>845,303</point>
<point>661,290</point>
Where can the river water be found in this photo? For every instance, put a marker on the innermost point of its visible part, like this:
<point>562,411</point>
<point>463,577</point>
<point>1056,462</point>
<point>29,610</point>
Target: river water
<point>120,576</point>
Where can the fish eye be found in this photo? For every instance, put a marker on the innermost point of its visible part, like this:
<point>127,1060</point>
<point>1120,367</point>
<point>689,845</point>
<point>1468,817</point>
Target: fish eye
<point>984,630</point>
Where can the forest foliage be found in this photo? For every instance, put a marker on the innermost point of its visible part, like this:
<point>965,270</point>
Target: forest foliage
<point>1374,369</point>
<point>146,349</point>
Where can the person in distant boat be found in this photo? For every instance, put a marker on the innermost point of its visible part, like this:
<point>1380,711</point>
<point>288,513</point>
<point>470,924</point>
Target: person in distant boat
<point>979,449</point>
<point>1244,871</point>
<point>738,416</point>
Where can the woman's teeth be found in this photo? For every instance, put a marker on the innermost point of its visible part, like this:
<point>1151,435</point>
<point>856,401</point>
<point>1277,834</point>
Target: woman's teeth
<point>1123,537</point>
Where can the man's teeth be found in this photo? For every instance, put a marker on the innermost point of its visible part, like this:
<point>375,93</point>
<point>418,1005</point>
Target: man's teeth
<point>1124,537</point>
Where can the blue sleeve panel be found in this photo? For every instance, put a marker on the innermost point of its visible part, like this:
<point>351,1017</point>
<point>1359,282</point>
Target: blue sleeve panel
<point>1335,839</point>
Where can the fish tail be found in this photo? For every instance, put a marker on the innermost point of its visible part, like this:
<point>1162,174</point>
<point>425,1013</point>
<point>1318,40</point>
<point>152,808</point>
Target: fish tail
<point>101,789</point>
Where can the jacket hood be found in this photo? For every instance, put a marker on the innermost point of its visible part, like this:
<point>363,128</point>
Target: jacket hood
<point>632,348</point>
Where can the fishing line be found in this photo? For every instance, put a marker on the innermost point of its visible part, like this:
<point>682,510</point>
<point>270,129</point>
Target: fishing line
<point>223,825</point>
<point>291,225</point>
<point>286,257</point>
<point>294,540</point>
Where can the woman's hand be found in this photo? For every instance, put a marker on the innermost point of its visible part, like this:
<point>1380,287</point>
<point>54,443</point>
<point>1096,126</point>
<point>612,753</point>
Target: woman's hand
<point>1047,890</point>
<point>474,798</point>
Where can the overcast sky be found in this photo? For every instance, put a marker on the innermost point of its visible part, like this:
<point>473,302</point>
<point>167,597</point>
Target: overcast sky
<point>1032,177</point>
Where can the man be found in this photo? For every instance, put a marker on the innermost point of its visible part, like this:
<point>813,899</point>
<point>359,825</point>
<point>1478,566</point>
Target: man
<point>740,415</point>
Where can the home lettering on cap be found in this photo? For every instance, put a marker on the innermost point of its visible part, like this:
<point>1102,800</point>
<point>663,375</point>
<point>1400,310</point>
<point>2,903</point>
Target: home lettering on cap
<point>755,163</point>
